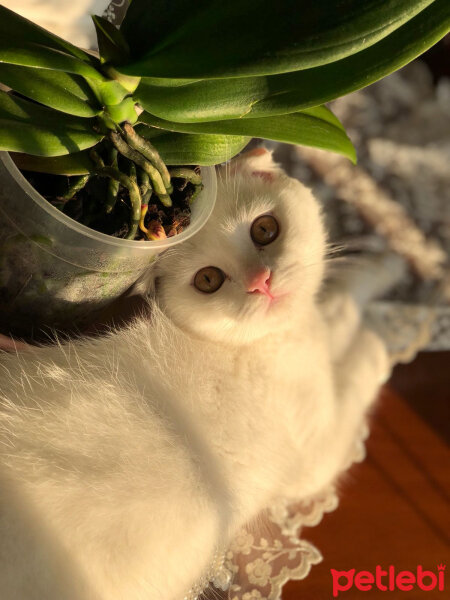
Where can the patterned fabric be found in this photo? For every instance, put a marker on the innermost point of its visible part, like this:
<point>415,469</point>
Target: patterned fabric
<point>116,11</point>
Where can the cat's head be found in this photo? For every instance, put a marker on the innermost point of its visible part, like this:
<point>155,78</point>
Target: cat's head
<point>256,264</point>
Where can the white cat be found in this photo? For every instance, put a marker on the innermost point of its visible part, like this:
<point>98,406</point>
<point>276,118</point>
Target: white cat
<point>70,19</point>
<point>126,460</point>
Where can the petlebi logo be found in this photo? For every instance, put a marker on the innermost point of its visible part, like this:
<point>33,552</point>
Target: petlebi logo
<point>389,580</point>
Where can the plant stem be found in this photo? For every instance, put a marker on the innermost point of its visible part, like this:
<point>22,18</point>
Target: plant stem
<point>96,159</point>
<point>198,189</point>
<point>146,192</point>
<point>144,182</point>
<point>152,172</point>
<point>132,171</point>
<point>113,185</point>
<point>189,174</point>
<point>77,184</point>
<point>142,227</point>
<point>133,190</point>
<point>146,149</point>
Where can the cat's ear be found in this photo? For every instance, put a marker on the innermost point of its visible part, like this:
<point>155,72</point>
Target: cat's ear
<point>257,163</point>
<point>145,286</point>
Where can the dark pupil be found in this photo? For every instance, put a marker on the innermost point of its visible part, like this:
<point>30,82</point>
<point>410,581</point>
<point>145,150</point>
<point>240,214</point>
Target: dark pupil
<point>264,230</point>
<point>209,279</point>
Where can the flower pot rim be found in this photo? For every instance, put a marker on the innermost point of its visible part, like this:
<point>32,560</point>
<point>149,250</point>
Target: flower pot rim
<point>200,216</point>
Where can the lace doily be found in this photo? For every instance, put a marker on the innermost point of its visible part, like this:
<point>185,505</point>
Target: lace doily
<point>116,11</point>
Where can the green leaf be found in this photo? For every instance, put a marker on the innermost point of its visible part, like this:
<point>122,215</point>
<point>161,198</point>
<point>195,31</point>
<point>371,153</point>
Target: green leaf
<point>62,91</point>
<point>315,86</point>
<point>166,82</point>
<point>15,52</point>
<point>33,129</point>
<point>18,28</point>
<point>78,163</point>
<point>19,109</point>
<point>34,139</point>
<point>250,97</point>
<point>111,43</point>
<point>194,149</point>
<point>236,38</point>
<point>316,127</point>
<point>108,92</point>
<point>208,100</point>
<point>124,111</point>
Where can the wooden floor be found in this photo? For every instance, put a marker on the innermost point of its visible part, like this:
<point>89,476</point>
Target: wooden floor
<point>395,507</point>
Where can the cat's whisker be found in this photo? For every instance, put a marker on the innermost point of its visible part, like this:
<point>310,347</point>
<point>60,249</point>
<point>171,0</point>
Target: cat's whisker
<point>334,248</point>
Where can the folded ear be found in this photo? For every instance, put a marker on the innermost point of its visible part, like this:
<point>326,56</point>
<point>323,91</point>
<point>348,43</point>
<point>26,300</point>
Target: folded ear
<point>145,286</point>
<point>257,163</point>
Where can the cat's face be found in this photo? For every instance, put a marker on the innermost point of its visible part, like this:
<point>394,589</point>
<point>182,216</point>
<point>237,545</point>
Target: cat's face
<point>255,264</point>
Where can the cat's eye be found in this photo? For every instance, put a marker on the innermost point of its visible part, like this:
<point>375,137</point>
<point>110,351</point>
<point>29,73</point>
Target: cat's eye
<point>209,279</point>
<point>264,230</point>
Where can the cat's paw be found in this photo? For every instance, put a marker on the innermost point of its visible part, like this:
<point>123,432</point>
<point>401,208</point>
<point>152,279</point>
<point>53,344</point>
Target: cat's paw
<point>373,361</point>
<point>343,318</point>
<point>364,368</point>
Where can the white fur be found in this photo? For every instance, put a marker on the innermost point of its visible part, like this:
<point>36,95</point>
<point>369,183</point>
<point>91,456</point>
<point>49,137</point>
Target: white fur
<point>126,460</point>
<point>70,19</point>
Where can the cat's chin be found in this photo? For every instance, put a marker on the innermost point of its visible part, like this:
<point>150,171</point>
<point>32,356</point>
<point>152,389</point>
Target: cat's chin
<point>278,302</point>
<point>268,317</point>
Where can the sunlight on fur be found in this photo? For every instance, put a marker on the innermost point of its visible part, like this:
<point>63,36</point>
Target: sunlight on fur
<point>127,460</point>
<point>294,259</point>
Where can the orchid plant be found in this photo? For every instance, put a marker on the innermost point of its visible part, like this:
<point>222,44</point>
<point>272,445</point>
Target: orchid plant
<point>189,83</point>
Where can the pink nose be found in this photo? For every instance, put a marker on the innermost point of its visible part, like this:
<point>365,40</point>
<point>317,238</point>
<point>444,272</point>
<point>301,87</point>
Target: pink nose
<point>260,283</point>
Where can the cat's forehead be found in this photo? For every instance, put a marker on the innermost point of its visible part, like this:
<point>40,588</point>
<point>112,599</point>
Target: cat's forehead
<point>225,238</point>
<point>240,200</point>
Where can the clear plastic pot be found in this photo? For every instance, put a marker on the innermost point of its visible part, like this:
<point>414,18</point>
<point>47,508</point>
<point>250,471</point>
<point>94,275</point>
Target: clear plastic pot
<point>57,273</point>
